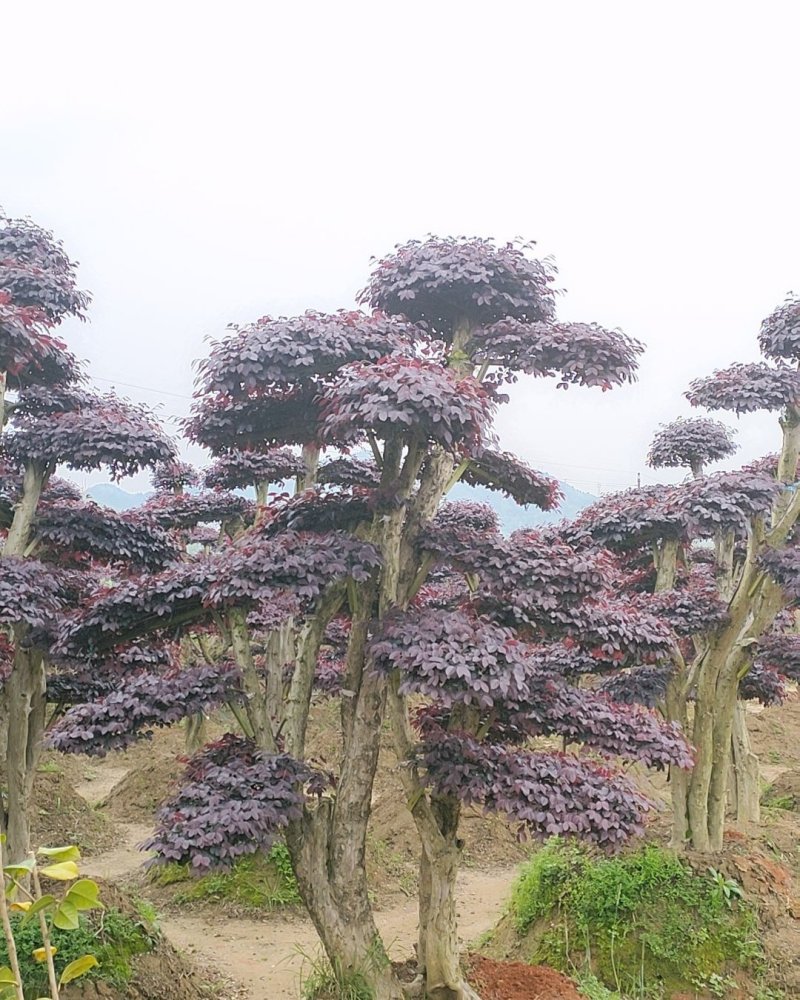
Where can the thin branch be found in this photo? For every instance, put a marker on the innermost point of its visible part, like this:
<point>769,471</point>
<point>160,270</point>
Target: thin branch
<point>376,450</point>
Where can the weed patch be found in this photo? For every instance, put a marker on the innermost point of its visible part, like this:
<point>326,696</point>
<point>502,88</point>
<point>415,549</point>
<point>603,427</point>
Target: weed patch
<point>643,924</point>
<point>255,882</point>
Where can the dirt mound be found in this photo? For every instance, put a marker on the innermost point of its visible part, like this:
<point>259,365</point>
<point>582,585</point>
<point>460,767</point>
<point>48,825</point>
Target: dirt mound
<point>517,981</point>
<point>784,791</point>
<point>393,843</point>
<point>160,973</point>
<point>772,886</point>
<point>136,798</point>
<point>774,733</point>
<point>61,816</point>
<point>153,767</point>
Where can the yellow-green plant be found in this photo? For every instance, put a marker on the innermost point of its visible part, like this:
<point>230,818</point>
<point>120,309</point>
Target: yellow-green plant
<point>23,894</point>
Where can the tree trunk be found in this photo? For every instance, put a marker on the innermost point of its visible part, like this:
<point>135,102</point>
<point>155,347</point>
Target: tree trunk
<point>25,693</point>
<point>33,480</point>
<point>24,699</point>
<point>328,848</point>
<point>438,951</point>
<point>280,653</point>
<point>256,703</point>
<point>746,772</point>
<point>713,725</point>
<point>720,764</point>
<point>675,711</point>
<point>349,936</point>
<point>666,563</point>
<point>310,455</point>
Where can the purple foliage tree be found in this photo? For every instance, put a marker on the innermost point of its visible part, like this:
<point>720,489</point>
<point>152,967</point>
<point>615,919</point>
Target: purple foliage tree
<point>492,635</point>
<point>719,556</point>
<point>53,421</point>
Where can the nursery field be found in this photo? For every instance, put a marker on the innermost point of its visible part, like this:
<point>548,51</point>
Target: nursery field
<point>245,934</point>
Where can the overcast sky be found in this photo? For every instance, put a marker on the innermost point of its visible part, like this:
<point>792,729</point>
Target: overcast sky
<point>211,163</point>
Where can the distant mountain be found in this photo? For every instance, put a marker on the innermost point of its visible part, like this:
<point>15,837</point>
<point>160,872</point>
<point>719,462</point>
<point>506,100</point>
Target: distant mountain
<point>112,496</point>
<point>512,517</point>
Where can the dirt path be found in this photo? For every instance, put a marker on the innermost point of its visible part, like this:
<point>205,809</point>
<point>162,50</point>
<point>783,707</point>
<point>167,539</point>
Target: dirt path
<point>270,957</point>
<point>102,782</point>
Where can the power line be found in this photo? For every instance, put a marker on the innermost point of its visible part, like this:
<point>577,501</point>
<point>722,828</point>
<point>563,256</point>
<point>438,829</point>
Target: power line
<point>142,388</point>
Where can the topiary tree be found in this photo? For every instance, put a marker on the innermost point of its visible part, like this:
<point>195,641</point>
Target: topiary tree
<point>692,443</point>
<point>358,585</point>
<point>53,422</point>
<point>719,554</point>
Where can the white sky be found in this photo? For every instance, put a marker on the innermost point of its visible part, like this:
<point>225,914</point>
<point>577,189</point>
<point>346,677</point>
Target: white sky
<point>209,163</point>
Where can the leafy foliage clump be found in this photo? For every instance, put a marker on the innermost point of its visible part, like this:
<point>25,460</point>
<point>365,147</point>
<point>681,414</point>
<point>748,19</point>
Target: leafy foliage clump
<point>115,433</point>
<point>747,388</point>
<point>30,592</point>
<point>174,476</point>
<point>690,442</point>
<point>348,471</point>
<point>576,353</point>
<point>234,800</point>
<point>260,386</point>
<point>131,537</point>
<point>252,572</point>
<point>398,392</point>
<point>779,337</point>
<point>437,281</point>
<point>139,704</point>
<point>37,291</point>
<point>503,472</point>
<point>186,510</point>
<point>543,793</point>
<point>240,469</point>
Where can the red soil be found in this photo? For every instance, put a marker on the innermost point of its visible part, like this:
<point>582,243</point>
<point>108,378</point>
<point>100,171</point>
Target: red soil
<point>517,981</point>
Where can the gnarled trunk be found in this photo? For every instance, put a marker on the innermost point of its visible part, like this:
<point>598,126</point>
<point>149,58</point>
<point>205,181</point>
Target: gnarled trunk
<point>24,698</point>
<point>709,778</point>
<point>438,951</point>
<point>24,693</point>
<point>328,847</point>
<point>344,922</point>
<point>746,772</point>
<point>675,711</point>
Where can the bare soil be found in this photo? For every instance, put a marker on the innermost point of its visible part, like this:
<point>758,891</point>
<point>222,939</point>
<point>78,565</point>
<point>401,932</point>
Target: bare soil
<point>518,981</point>
<point>60,814</point>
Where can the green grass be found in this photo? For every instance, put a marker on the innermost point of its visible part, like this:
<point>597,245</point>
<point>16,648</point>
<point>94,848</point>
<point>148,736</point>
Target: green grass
<point>48,767</point>
<point>111,936</point>
<point>322,984</point>
<point>639,925</point>
<point>773,801</point>
<point>590,987</point>
<point>255,882</point>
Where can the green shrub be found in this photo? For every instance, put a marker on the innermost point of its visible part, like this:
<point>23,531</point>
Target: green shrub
<point>643,923</point>
<point>111,936</point>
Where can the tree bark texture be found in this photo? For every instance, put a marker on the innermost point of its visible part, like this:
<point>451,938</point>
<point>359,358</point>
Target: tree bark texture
<point>25,694</point>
